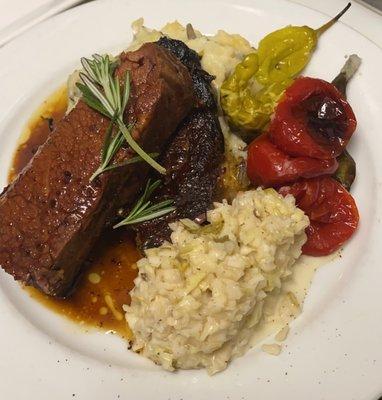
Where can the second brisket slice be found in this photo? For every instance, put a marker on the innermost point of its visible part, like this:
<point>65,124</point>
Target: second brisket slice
<point>51,215</point>
<point>192,158</point>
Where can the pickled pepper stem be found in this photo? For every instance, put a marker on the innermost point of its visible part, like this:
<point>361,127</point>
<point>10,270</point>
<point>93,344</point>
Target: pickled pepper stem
<point>347,72</point>
<point>326,26</point>
<point>346,171</point>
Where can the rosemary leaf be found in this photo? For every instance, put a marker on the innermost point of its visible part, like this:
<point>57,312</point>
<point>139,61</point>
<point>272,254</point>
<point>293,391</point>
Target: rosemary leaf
<point>102,92</point>
<point>144,210</point>
<point>126,90</point>
<point>91,100</point>
<point>162,204</point>
<point>123,164</point>
<point>144,218</point>
<point>97,93</point>
<point>134,145</point>
<point>107,140</point>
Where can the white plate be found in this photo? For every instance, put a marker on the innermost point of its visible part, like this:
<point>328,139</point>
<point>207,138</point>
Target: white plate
<point>21,16</point>
<point>334,351</point>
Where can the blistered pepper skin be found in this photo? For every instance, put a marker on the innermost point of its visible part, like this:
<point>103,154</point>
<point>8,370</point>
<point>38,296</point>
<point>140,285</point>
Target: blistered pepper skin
<point>268,166</point>
<point>332,212</point>
<point>305,126</point>
<point>249,95</point>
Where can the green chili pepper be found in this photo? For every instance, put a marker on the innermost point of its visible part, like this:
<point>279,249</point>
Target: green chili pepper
<point>249,95</point>
<point>284,53</point>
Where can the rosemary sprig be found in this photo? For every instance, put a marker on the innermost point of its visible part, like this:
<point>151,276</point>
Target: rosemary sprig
<point>102,92</point>
<point>144,210</point>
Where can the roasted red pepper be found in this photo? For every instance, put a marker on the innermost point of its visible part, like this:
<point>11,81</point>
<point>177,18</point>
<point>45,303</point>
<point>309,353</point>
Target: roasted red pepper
<point>269,166</point>
<point>332,212</point>
<point>312,120</point>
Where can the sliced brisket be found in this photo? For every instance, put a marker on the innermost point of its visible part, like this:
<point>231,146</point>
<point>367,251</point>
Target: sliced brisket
<point>51,215</point>
<point>193,157</point>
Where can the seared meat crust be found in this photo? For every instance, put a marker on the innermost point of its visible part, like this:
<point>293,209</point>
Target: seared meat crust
<point>51,215</point>
<point>192,158</point>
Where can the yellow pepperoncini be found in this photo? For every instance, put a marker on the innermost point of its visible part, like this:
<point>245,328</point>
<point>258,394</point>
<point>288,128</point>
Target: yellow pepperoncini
<point>284,53</point>
<point>249,95</point>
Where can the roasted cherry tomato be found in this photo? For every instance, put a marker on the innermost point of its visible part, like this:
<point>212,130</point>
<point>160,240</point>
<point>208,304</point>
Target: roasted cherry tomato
<point>269,166</point>
<point>332,212</point>
<point>312,120</point>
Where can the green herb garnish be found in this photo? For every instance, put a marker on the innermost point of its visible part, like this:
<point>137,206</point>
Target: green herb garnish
<point>144,210</point>
<point>102,92</point>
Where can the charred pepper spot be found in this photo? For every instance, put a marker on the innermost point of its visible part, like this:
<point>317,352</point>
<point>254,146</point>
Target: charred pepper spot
<point>325,117</point>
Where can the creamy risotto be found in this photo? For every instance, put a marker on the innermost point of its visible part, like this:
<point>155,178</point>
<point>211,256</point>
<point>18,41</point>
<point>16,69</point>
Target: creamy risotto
<point>197,301</point>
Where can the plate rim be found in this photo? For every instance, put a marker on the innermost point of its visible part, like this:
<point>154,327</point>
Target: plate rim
<point>227,2</point>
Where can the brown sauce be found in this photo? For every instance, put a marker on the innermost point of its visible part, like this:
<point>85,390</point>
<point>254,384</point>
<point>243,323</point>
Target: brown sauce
<point>37,130</point>
<point>104,286</point>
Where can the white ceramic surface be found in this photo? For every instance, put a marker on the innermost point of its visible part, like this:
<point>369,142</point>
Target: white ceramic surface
<point>362,18</point>
<point>334,350</point>
<point>19,15</point>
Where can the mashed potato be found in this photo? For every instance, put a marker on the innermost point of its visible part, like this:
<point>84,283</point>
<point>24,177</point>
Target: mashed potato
<point>197,301</point>
<point>219,53</point>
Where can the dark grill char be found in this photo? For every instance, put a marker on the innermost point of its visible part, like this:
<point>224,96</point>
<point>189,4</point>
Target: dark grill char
<point>193,156</point>
<point>51,215</point>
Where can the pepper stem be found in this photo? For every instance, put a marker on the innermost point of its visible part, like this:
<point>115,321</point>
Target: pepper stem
<point>326,26</point>
<point>348,70</point>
